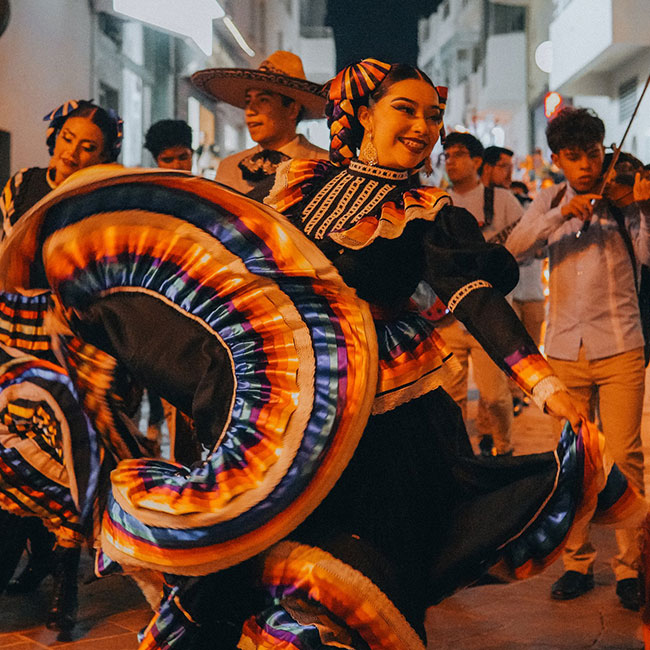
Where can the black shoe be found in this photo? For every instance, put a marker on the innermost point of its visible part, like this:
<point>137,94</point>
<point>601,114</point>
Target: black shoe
<point>629,593</point>
<point>486,446</point>
<point>571,585</point>
<point>62,614</point>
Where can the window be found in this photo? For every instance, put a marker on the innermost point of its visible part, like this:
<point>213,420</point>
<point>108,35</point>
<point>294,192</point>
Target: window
<point>627,99</point>
<point>312,19</point>
<point>505,19</point>
<point>445,9</point>
<point>111,27</point>
<point>109,97</point>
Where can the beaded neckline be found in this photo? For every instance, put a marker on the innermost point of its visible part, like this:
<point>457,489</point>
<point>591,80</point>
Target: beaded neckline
<point>378,172</point>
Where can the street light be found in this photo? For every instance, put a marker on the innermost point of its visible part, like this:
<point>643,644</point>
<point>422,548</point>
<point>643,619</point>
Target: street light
<point>544,56</point>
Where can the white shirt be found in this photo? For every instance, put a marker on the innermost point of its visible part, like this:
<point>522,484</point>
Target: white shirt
<point>593,300</point>
<point>229,173</point>
<point>507,209</point>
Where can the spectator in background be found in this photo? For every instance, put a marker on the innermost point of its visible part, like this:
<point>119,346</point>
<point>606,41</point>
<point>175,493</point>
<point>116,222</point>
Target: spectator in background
<point>497,167</point>
<point>527,298</point>
<point>275,97</point>
<point>495,209</point>
<point>170,144</point>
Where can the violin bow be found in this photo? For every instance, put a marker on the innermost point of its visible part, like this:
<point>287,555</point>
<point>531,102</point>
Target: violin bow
<point>615,155</point>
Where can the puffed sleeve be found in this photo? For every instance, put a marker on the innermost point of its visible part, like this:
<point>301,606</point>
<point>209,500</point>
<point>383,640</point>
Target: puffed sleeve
<point>472,278</point>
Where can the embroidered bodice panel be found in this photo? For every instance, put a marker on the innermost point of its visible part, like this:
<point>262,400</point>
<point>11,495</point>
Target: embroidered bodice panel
<point>353,193</point>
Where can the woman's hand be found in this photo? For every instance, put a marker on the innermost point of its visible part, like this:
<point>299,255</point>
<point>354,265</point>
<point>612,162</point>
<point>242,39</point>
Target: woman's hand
<point>563,407</point>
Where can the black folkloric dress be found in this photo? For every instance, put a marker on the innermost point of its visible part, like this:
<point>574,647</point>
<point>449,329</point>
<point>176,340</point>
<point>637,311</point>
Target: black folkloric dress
<point>339,478</point>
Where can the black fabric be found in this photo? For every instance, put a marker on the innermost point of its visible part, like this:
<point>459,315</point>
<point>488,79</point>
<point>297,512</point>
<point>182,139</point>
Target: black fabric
<point>258,166</point>
<point>192,371</point>
<point>641,279</point>
<point>488,205</point>
<point>12,545</point>
<point>220,603</point>
<point>30,190</point>
<point>415,493</point>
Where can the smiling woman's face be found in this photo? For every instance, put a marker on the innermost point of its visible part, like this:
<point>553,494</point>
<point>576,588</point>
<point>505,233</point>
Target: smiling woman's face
<point>405,123</point>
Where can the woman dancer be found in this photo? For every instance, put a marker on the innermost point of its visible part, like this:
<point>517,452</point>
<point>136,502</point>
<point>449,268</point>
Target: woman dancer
<point>321,533</point>
<point>38,400</point>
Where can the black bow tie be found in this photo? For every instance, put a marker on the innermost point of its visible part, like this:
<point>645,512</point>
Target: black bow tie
<point>258,166</point>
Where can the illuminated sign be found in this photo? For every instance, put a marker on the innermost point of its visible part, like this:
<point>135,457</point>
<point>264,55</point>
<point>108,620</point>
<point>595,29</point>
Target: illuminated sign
<point>192,18</point>
<point>553,102</point>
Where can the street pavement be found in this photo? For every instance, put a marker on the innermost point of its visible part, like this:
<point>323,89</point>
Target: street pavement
<point>513,616</point>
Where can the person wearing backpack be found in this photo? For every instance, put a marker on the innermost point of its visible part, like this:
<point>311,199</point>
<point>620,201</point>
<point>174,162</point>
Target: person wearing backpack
<point>594,338</point>
<point>495,209</point>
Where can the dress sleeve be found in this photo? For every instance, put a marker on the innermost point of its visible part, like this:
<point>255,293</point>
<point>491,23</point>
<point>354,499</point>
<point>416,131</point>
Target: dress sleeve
<point>8,201</point>
<point>472,277</point>
<point>296,180</point>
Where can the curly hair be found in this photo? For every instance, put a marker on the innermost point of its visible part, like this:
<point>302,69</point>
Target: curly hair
<point>574,128</point>
<point>167,133</point>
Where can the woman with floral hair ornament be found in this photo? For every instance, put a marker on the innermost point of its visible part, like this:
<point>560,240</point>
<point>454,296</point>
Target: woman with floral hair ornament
<point>340,496</point>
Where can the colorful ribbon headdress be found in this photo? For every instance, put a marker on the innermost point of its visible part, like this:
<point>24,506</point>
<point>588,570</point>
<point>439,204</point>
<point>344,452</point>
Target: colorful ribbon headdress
<point>347,92</point>
<point>58,116</point>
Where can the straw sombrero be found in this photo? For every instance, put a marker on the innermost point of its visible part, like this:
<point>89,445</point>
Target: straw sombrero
<point>281,72</point>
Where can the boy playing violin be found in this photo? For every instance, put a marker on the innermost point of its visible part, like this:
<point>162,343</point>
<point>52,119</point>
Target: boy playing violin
<point>594,340</point>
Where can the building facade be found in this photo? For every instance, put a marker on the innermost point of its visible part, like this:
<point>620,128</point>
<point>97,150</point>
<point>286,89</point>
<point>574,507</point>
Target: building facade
<point>54,50</point>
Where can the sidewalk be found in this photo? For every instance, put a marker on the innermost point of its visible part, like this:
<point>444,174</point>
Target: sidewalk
<point>495,617</point>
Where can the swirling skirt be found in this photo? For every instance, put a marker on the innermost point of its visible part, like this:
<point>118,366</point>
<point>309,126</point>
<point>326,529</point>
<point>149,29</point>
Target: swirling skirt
<point>229,313</point>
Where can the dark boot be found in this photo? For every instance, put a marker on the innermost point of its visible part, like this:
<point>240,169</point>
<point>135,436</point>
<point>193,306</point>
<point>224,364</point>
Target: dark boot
<point>41,559</point>
<point>13,538</point>
<point>62,615</point>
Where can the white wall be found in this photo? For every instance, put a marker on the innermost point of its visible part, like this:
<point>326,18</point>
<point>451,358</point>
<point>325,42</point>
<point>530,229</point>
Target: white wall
<point>45,56</point>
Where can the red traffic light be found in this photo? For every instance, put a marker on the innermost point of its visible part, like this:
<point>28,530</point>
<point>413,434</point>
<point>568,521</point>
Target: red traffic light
<point>553,102</point>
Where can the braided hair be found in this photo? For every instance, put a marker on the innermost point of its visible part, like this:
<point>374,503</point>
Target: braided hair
<point>108,122</point>
<point>362,84</point>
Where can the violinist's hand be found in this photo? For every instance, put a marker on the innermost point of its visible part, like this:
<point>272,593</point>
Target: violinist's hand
<point>580,206</point>
<point>563,407</point>
<point>641,188</point>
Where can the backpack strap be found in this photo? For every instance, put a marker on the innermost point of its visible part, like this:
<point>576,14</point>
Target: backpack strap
<point>558,197</point>
<point>488,205</point>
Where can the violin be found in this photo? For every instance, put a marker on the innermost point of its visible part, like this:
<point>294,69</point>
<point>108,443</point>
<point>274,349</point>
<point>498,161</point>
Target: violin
<point>619,190</point>
<point>611,168</point>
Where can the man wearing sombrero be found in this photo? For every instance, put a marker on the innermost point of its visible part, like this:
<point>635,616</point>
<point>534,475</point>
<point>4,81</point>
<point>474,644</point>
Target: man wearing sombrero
<point>275,98</point>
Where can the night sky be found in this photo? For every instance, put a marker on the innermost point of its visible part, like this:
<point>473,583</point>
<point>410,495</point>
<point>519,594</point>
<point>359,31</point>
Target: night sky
<point>382,29</point>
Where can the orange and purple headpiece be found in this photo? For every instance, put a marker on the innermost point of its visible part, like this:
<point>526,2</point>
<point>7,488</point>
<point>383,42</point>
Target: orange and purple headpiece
<point>350,89</point>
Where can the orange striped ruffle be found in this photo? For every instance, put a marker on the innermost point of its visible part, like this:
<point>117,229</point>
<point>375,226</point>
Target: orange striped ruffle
<point>344,591</point>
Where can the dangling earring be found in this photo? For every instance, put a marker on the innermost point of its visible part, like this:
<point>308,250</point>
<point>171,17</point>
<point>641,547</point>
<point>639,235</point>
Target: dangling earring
<point>368,153</point>
<point>428,167</point>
